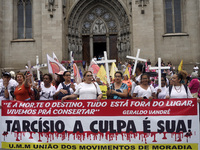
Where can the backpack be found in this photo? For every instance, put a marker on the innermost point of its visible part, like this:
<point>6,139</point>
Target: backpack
<point>60,95</point>
<point>170,90</point>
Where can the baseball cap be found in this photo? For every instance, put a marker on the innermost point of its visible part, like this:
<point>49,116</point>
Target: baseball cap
<point>60,73</point>
<point>6,74</point>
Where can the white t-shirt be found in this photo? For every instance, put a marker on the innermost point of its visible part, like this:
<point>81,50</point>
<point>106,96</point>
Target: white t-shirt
<point>179,92</point>
<point>60,86</point>
<point>144,93</point>
<point>163,93</point>
<point>138,79</point>
<point>47,93</point>
<point>11,87</point>
<point>88,91</point>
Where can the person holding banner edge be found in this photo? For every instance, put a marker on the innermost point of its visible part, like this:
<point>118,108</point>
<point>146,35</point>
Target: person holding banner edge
<point>86,90</point>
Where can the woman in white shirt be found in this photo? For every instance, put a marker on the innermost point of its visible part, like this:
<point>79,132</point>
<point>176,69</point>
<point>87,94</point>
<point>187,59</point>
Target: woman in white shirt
<point>161,93</point>
<point>178,89</point>
<point>144,90</point>
<point>87,89</point>
<point>47,90</point>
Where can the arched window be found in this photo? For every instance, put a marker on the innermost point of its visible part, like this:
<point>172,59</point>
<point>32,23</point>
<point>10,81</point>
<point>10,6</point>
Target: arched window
<point>173,16</point>
<point>24,19</point>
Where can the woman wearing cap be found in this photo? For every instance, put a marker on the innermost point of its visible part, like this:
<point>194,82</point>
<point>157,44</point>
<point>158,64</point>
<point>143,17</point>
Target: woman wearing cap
<point>23,90</point>
<point>118,89</point>
<point>59,79</point>
<point>7,87</point>
<point>87,89</point>
<point>66,87</point>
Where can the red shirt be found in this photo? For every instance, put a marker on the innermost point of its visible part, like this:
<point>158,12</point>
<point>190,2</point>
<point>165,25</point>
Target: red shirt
<point>22,93</point>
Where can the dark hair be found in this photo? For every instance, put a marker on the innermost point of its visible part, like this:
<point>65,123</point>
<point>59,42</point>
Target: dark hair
<point>49,75</point>
<point>145,74</point>
<point>61,80</point>
<point>180,76</point>
<point>140,66</point>
<point>86,73</point>
<point>119,73</point>
<point>66,72</point>
<point>164,77</point>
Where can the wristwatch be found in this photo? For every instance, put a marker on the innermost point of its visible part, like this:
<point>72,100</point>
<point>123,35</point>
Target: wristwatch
<point>6,88</point>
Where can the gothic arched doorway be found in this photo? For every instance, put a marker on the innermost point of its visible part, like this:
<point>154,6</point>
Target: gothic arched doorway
<point>96,26</point>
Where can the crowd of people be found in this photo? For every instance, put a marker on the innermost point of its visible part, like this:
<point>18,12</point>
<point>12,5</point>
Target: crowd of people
<point>142,85</point>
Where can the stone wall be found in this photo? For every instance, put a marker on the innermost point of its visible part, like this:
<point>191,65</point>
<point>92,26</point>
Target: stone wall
<point>52,30</point>
<point>174,48</point>
<point>1,33</point>
<point>47,36</point>
<point>143,31</point>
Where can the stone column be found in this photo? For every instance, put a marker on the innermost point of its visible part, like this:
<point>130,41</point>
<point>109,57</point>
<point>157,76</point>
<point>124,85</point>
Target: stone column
<point>108,45</point>
<point>52,29</point>
<point>143,31</point>
<point>91,47</point>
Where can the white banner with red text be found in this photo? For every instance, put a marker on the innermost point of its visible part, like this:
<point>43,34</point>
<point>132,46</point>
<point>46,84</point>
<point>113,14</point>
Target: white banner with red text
<point>109,124</point>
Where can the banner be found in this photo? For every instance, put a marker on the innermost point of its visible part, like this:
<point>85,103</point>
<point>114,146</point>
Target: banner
<point>108,124</point>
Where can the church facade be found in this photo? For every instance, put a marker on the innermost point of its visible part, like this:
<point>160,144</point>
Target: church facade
<point>169,29</point>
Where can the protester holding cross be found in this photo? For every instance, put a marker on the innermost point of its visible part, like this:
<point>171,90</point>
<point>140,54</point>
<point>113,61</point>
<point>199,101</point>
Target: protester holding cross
<point>161,93</point>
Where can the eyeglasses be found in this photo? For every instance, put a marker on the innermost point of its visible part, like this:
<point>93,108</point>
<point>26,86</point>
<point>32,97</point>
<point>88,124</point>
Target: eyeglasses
<point>88,75</point>
<point>117,76</point>
<point>45,78</point>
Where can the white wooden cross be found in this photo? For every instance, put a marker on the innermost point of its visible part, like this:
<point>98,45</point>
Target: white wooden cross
<point>30,69</point>
<point>159,71</point>
<point>106,61</point>
<point>72,65</point>
<point>38,66</point>
<point>136,60</point>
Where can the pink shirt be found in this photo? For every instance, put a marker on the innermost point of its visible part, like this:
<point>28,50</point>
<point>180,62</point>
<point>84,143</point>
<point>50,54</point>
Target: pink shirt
<point>194,85</point>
